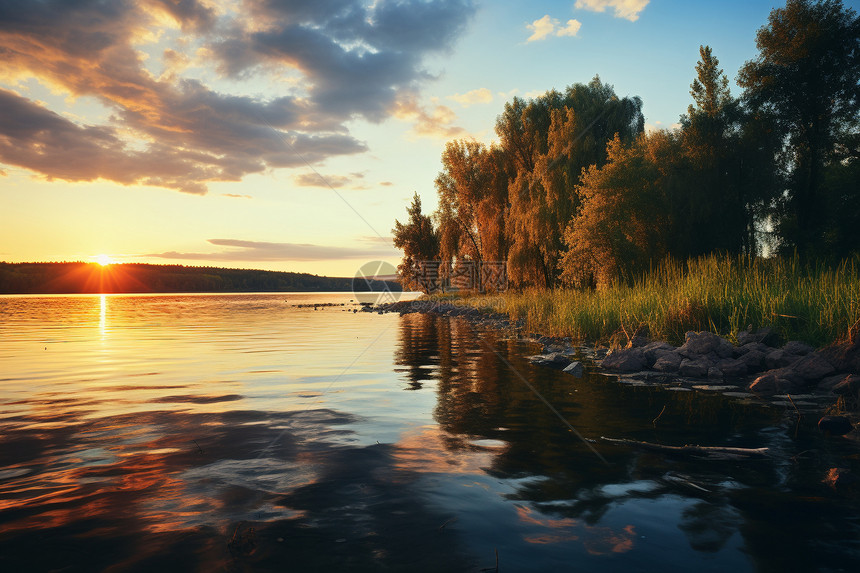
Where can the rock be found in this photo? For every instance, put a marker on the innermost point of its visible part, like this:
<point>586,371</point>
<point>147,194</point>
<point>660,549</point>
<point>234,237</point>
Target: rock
<point>844,357</point>
<point>553,360</point>
<point>625,360</point>
<point>835,425</point>
<point>655,350</point>
<point>715,373</point>
<point>701,343</point>
<point>744,338</point>
<point>778,359</point>
<point>848,386</point>
<point>777,381</point>
<point>575,369</point>
<point>830,382</point>
<point>694,368</point>
<point>812,367</point>
<point>838,477</point>
<point>750,346</point>
<point>763,335</point>
<point>668,362</point>
<point>797,348</point>
<point>754,360</point>
<point>638,342</point>
<point>732,368</point>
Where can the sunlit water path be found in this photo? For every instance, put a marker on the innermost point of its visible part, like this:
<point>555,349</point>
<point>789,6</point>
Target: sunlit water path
<point>241,433</point>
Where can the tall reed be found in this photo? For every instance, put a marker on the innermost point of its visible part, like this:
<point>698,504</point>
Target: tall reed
<point>814,303</point>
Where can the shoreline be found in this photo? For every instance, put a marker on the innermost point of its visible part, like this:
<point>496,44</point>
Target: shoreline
<point>793,376</point>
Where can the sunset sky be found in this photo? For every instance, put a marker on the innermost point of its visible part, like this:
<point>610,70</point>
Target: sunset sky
<point>289,135</point>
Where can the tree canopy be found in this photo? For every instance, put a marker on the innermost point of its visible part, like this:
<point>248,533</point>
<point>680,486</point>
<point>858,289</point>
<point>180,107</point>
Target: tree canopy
<point>807,78</point>
<point>575,192</point>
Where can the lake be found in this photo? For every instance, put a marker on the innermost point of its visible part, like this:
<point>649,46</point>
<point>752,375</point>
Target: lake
<point>242,433</point>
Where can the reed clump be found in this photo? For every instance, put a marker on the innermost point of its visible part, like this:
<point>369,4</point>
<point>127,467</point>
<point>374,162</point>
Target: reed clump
<point>815,303</point>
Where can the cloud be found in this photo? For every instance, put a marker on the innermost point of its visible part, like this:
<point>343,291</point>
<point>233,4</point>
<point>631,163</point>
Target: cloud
<point>542,28</point>
<point>236,196</point>
<point>548,26</point>
<point>315,179</point>
<point>570,29</point>
<point>480,95</point>
<point>240,250</point>
<point>628,9</point>
<point>351,60</point>
<point>436,122</point>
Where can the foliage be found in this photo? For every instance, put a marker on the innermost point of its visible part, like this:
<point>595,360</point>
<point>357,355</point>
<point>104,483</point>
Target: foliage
<point>472,190</point>
<point>623,220</point>
<point>551,140</point>
<point>575,193</point>
<point>813,303</point>
<point>419,242</point>
<point>807,77</point>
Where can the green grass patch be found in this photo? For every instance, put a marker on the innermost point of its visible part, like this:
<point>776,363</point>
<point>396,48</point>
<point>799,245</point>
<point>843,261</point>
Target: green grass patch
<point>817,304</point>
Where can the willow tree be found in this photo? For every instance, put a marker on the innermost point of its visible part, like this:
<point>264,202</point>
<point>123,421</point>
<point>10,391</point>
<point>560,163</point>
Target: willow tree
<point>472,189</point>
<point>807,77</point>
<point>550,140</point>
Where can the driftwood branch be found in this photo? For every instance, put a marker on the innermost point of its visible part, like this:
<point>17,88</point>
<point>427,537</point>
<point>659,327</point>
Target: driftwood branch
<point>709,452</point>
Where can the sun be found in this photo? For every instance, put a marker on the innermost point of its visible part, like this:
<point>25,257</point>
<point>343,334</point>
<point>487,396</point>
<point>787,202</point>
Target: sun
<point>104,260</point>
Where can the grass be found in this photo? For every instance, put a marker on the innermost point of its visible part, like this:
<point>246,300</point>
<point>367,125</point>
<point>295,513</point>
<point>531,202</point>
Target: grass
<point>813,303</point>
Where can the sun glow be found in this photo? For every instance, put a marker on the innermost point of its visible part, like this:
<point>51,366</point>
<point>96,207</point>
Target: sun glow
<point>104,260</point>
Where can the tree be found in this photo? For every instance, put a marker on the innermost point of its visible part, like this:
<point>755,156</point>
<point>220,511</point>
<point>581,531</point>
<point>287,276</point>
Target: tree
<point>712,212</point>
<point>624,223</point>
<point>551,139</point>
<point>419,242</point>
<point>473,192</point>
<point>806,76</point>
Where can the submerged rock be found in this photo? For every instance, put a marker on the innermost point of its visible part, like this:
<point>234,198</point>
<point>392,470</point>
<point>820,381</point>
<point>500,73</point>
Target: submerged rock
<point>575,369</point>
<point>553,360</point>
<point>835,425</point>
<point>778,381</point>
<point>838,477</point>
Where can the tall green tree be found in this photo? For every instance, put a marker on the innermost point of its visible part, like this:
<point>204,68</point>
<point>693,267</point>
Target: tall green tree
<point>711,213</point>
<point>807,77</point>
<point>418,240</point>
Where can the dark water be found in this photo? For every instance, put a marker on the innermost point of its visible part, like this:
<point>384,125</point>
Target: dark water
<point>239,433</point>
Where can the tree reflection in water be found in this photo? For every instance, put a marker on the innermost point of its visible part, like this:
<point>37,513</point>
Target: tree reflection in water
<point>560,488</point>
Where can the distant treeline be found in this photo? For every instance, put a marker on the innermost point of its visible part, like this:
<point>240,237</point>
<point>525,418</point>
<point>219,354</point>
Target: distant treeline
<point>73,278</point>
<point>577,193</point>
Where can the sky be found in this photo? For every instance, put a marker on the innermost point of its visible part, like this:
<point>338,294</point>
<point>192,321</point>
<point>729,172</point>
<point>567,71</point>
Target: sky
<point>290,134</point>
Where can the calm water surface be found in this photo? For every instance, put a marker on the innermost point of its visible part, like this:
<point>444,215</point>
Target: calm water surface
<point>241,433</point>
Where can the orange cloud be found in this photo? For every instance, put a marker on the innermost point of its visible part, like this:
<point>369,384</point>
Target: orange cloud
<point>176,131</point>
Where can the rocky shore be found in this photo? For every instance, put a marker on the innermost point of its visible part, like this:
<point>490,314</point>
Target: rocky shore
<point>792,374</point>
